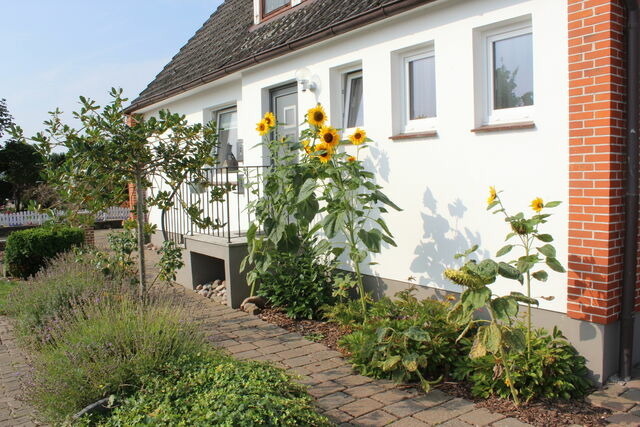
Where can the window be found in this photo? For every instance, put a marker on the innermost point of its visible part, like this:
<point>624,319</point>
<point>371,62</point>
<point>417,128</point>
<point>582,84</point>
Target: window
<point>419,101</point>
<point>508,56</point>
<point>353,108</point>
<point>269,6</point>
<point>229,150</point>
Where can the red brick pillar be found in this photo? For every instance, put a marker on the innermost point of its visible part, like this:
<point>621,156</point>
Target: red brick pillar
<point>596,166</point>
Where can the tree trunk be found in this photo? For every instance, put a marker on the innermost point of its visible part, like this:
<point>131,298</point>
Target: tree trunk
<point>140,221</point>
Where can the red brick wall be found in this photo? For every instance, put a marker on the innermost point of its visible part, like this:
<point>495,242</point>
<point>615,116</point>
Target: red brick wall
<point>596,144</point>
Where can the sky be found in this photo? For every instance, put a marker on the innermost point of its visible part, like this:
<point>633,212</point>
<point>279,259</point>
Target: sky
<point>53,51</point>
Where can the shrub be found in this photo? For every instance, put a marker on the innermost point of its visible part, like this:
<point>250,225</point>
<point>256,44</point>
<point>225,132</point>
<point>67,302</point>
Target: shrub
<point>403,339</point>
<point>52,292</point>
<point>553,370</point>
<point>298,282</point>
<point>108,347</point>
<point>28,250</point>
<point>218,390</point>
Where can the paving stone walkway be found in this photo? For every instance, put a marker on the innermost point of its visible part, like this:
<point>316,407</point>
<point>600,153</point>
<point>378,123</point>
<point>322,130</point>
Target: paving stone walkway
<point>623,398</point>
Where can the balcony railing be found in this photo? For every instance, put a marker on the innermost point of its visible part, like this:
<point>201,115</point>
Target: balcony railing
<point>234,189</point>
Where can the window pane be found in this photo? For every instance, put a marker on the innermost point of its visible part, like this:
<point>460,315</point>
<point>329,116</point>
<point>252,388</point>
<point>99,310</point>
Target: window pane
<point>513,72</point>
<point>355,114</point>
<point>228,134</point>
<point>422,88</point>
<point>271,5</point>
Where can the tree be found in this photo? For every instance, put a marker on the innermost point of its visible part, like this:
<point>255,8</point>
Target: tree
<point>20,167</point>
<point>111,149</point>
<point>6,120</point>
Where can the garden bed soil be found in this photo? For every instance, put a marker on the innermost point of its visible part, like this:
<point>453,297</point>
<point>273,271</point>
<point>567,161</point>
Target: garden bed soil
<point>540,413</point>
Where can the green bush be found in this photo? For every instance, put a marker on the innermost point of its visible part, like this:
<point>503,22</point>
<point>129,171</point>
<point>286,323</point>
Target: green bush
<point>297,282</point>
<point>52,292</point>
<point>403,339</point>
<point>218,390</point>
<point>107,346</point>
<point>554,370</point>
<point>27,251</point>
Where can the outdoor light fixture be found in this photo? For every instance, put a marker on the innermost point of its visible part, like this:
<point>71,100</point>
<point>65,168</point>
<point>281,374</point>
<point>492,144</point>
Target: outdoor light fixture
<point>303,76</point>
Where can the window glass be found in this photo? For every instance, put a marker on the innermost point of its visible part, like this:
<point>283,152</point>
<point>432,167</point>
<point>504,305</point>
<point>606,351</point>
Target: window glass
<point>353,100</point>
<point>513,72</point>
<point>422,88</point>
<point>229,148</point>
<point>271,5</point>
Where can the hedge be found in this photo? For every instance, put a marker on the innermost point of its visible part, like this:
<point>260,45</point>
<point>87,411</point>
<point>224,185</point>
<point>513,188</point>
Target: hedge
<point>27,251</point>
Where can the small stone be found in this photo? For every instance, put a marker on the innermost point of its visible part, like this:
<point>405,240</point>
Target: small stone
<point>217,282</point>
<point>199,288</point>
<point>257,300</point>
<point>202,291</point>
<point>207,286</point>
<point>251,308</point>
<point>219,288</point>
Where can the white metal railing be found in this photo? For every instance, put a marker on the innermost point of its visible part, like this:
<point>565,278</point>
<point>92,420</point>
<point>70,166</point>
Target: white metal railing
<point>17,219</point>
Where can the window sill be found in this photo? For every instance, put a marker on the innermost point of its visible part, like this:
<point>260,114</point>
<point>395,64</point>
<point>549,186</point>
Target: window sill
<point>504,126</point>
<point>414,135</point>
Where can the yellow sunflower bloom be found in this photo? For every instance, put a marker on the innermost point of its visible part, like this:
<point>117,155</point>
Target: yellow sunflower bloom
<point>262,127</point>
<point>537,204</point>
<point>270,119</point>
<point>329,135</point>
<point>351,159</point>
<point>316,116</point>
<point>492,195</point>
<point>358,137</point>
<point>306,145</point>
<point>327,152</point>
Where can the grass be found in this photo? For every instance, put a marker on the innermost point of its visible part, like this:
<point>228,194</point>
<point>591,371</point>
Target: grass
<point>5,288</point>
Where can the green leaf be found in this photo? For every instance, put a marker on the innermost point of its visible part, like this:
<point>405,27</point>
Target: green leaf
<point>547,250</point>
<point>551,204</point>
<point>504,250</point>
<point>515,339</point>
<point>306,190</point>
<point>371,239</point>
<point>389,364</point>
<point>555,265</point>
<point>540,275</point>
<point>493,338</point>
<point>492,205</point>
<point>410,362</point>
<point>467,252</point>
<point>417,334</point>
<point>381,333</point>
<point>545,237</point>
<point>520,297</point>
<point>505,308</point>
<point>508,271</point>
<point>475,298</point>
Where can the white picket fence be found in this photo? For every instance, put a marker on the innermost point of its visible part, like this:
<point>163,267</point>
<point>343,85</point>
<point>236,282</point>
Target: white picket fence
<point>33,218</point>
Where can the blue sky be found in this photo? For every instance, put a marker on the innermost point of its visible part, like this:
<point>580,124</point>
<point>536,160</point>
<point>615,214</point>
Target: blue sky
<point>55,51</point>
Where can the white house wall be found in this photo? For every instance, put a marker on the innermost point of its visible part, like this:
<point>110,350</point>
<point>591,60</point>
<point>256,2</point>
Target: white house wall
<point>441,183</point>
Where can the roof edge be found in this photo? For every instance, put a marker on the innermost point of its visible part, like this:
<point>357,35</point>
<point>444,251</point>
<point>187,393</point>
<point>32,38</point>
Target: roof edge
<point>377,14</point>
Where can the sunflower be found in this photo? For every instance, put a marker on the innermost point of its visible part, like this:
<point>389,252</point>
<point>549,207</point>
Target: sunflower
<point>537,204</point>
<point>316,116</point>
<point>262,127</point>
<point>327,152</point>
<point>306,145</point>
<point>329,136</point>
<point>492,195</point>
<point>270,119</point>
<point>358,137</point>
<point>351,159</point>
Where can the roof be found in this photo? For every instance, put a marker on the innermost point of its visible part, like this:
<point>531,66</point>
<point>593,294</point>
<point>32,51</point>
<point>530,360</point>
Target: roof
<point>229,41</point>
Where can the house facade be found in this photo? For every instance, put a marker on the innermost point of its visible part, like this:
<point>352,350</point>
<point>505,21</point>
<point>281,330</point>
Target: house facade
<point>528,96</point>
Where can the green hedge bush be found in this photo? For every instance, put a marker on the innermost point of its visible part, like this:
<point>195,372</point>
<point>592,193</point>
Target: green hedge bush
<point>217,390</point>
<point>27,251</point>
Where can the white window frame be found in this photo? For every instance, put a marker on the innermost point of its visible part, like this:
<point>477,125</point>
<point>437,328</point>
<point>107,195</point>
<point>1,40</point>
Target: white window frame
<point>504,115</point>
<point>417,125</point>
<point>215,116</point>
<point>346,101</point>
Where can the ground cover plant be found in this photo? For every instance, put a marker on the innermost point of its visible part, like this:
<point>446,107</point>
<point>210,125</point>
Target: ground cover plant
<point>403,339</point>
<point>217,390</point>
<point>27,251</point>
<point>6,286</point>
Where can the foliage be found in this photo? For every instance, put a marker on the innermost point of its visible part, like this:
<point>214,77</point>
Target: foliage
<point>218,390</point>
<point>403,339</point>
<point>300,282</point>
<point>6,120</point>
<point>170,261</point>
<point>553,370</point>
<point>50,293</point>
<point>111,150</point>
<point>6,287</point>
<point>20,166</point>
<point>28,250</point>
<point>108,344</point>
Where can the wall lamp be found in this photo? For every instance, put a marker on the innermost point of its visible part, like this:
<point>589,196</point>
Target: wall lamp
<point>304,78</point>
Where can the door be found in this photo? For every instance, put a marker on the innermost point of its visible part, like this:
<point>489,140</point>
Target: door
<point>284,104</point>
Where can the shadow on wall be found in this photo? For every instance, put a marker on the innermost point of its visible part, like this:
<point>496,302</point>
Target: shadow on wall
<point>441,240</point>
<point>378,162</point>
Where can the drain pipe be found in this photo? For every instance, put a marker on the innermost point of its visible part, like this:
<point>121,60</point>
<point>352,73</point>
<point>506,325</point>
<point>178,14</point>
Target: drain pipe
<point>631,192</point>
